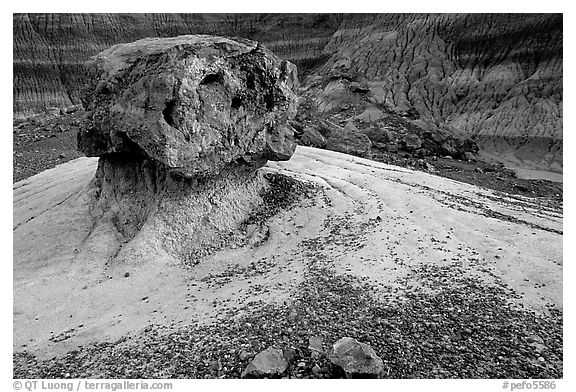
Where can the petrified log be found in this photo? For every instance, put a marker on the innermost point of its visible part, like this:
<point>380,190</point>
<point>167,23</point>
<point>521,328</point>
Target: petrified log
<point>192,103</point>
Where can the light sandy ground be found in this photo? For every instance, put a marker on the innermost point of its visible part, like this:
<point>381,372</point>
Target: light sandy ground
<point>533,174</point>
<point>67,293</point>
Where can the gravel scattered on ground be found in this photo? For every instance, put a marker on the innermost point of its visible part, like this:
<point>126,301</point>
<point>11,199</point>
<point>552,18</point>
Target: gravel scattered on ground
<point>465,330</point>
<point>281,193</point>
<point>46,140</point>
<point>485,175</point>
<point>43,141</point>
<point>450,325</point>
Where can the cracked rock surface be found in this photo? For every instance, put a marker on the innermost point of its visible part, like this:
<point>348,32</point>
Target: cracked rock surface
<point>192,103</point>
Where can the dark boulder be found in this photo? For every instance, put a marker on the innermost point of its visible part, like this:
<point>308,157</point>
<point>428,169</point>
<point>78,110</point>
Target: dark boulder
<point>348,139</point>
<point>355,359</point>
<point>269,363</point>
<point>313,138</point>
<point>194,104</point>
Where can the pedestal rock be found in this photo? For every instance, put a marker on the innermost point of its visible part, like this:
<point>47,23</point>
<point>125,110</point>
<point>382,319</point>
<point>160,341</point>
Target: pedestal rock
<point>180,126</point>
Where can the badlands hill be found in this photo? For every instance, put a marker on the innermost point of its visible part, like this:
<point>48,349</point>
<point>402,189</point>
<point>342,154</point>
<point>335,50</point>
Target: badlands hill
<point>496,78</point>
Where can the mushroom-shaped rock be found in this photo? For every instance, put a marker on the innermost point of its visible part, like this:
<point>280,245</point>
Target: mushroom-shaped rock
<point>357,360</point>
<point>193,103</point>
<point>181,125</point>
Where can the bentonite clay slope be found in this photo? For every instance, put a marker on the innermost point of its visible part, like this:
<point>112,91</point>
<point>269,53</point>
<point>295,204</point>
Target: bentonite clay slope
<point>496,77</point>
<point>400,231</point>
